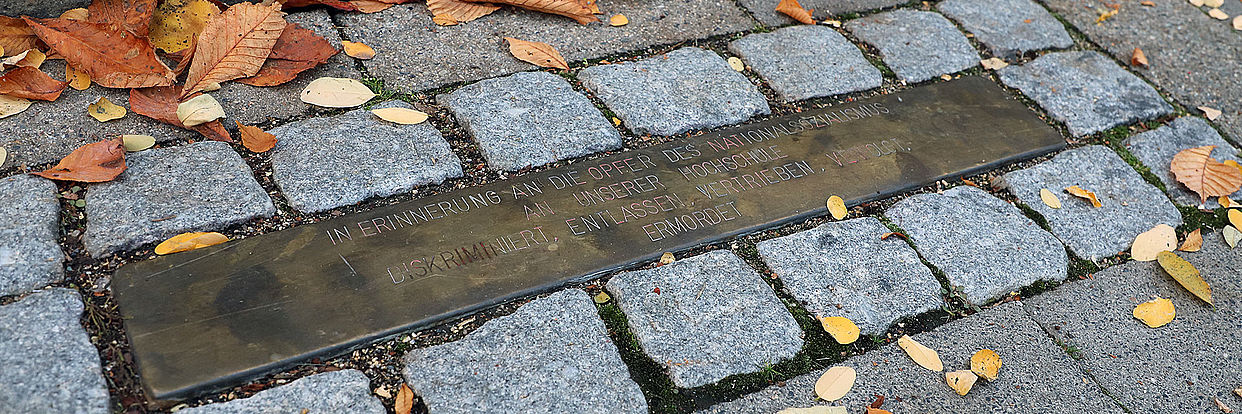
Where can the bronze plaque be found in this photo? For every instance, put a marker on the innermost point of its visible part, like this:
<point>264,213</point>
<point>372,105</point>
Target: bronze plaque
<point>217,316</point>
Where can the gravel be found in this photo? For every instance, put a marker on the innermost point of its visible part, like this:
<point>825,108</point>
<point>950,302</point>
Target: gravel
<point>30,257</point>
<point>1156,148</point>
<point>803,62</point>
<point>344,391</point>
<point>49,365</point>
<point>1008,28</point>
<point>917,45</point>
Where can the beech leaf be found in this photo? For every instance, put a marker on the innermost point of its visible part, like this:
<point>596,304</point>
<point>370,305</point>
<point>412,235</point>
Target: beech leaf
<point>986,363</point>
<point>1084,194</point>
<point>573,9</point>
<point>16,35</point>
<point>835,383</point>
<point>403,116</point>
<point>404,401</point>
<point>135,143</point>
<point>112,58</point>
<point>667,258</point>
<point>31,83</point>
<point>460,11</point>
<point>1202,174</point>
<point>358,50</point>
<point>836,206</point>
<point>1186,275</point>
<point>841,328</point>
<point>537,53</point>
<point>298,49</point>
<point>961,381</point>
<point>234,45</point>
<point>177,22</point>
<point>1193,243</point>
<point>104,110</point>
<point>922,355</point>
<point>90,163</point>
<point>1049,198</point>
<point>331,92</point>
<point>795,11</point>
<point>199,110</point>
<point>189,241</point>
<point>993,63</point>
<point>602,298</point>
<point>1147,245</point>
<point>1156,312</point>
<point>10,106</point>
<point>255,139</point>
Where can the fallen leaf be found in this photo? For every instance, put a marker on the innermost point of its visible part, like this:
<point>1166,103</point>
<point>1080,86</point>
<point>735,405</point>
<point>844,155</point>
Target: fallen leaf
<point>841,328</point>
<point>460,11</point>
<point>10,106</point>
<point>403,116</point>
<point>1148,3</point>
<point>618,20</point>
<point>1049,198</point>
<point>1106,15</point>
<point>255,139</point>
<point>1238,391</point>
<point>1237,22</point>
<point>1210,113</point>
<point>873,410</point>
<point>176,22</point>
<point>90,163</point>
<point>444,20</point>
<point>77,14</point>
<point>370,6</point>
<point>1218,14</point>
<point>819,409</point>
<point>135,143</point>
<point>104,110</point>
<point>234,45</point>
<point>405,400</point>
<point>189,241</point>
<point>31,58</point>
<point>198,110</point>
<point>885,236</point>
<point>795,11</point>
<point>16,35</point>
<point>593,5</point>
<point>31,83</point>
<point>1194,242</point>
<point>961,381</point>
<point>602,298</point>
<point>1156,312</point>
<point>1079,192</point>
<point>569,8</point>
<point>161,105</point>
<point>1147,245</point>
<point>297,50</point>
<point>836,206</point>
<point>667,258</point>
<point>331,92</point>
<point>112,59</point>
<point>537,53</point>
<point>879,402</point>
<point>4,155</point>
<point>835,383</point>
<point>133,16</point>
<point>1224,201</point>
<point>1138,58</point>
<point>993,63</point>
<point>1213,3</point>
<point>1196,3</point>
<point>1231,235</point>
<point>986,363</point>
<point>922,355</point>
<point>1186,275</point>
<point>736,64</point>
<point>1235,218</point>
<point>1221,405</point>
<point>358,50</point>
<point>77,79</point>
<point>1202,174</point>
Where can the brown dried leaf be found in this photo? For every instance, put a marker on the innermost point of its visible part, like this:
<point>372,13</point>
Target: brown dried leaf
<point>537,53</point>
<point>256,139</point>
<point>16,35</point>
<point>405,400</point>
<point>569,8</point>
<point>133,16</point>
<point>90,163</point>
<point>161,104</point>
<point>79,14</point>
<point>189,241</point>
<point>1202,174</point>
<point>460,11</point>
<point>795,11</point>
<point>31,83</point>
<point>297,50</point>
<point>1193,243</point>
<point>234,45</point>
<point>113,59</point>
<point>370,6</point>
<point>1138,58</point>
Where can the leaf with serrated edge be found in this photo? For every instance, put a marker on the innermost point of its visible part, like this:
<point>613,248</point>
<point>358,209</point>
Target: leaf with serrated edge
<point>298,49</point>
<point>331,92</point>
<point>537,53</point>
<point>234,45</point>
<point>922,355</point>
<point>835,383</point>
<point>986,363</point>
<point>189,241</point>
<point>1195,168</point>
<point>112,59</point>
<point>1186,275</point>
<point>461,11</point>
<point>1156,312</point>
<point>1161,238</point>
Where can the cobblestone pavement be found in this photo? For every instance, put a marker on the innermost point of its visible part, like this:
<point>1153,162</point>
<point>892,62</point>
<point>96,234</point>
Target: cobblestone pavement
<point>987,263</point>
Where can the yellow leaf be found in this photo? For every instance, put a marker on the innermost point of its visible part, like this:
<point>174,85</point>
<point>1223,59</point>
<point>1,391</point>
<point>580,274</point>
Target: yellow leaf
<point>836,206</point>
<point>619,20</point>
<point>199,110</point>
<point>922,355</point>
<point>1049,198</point>
<point>76,14</point>
<point>189,241</point>
<point>876,411</point>
<point>358,50</point>
<point>1202,174</point>
<point>403,116</point>
<point>176,22</point>
<point>1224,201</point>
<point>1213,3</point>
<point>835,383</point>
<point>1185,274</point>
<point>985,363</point>
<point>10,106</point>
<point>104,110</point>
<point>135,143</point>
<point>78,80</point>
<point>336,93</point>
<point>1235,218</point>
<point>1194,242</point>
<point>795,11</point>
<point>1079,192</point>
<point>537,53</point>
<point>444,20</point>
<point>819,409</point>
<point>616,121</point>
<point>841,328</point>
<point>961,381</point>
<point>602,297</point>
<point>667,258</point>
<point>1232,236</point>
<point>736,64</point>
<point>405,400</point>
<point>1162,238</point>
<point>1156,312</point>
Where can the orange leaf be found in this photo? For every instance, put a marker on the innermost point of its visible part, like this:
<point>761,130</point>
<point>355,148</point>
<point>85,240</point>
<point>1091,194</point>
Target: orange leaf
<point>133,16</point>
<point>444,20</point>
<point>358,50</point>
<point>795,11</point>
<point>161,103</point>
<point>538,53</point>
<point>16,35</point>
<point>1137,58</point>
<point>189,241</point>
<point>31,83</point>
<point>114,59</point>
<point>90,163</point>
<point>370,6</point>
<point>460,10</point>
<point>255,139</point>
<point>1082,193</point>
<point>297,50</point>
<point>405,400</point>
<point>569,8</point>
<point>234,45</point>
<point>1202,174</point>
<point>1193,243</point>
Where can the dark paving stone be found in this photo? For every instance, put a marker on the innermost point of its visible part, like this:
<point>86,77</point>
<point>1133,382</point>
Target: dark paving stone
<point>917,45</point>
<point>1008,27</point>
<point>765,10</point>
<point>39,8</point>
<point>49,364</point>
<point>1177,368</point>
<point>803,62</point>
<point>701,318</point>
<point>1086,90</point>
<point>1036,375</point>
<point>344,391</point>
<point>529,119</point>
<point>30,256</point>
<point>688,88</point>
<point>415,54</point>
<point>1156,148</point>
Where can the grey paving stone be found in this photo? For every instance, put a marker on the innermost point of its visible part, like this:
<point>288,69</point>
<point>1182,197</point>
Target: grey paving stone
<point>917,45</point>
<point>344,391</point>
<point>1086,91</point>
<point>765,10</point>
<point>710,313</point>
<point>1186,51</point>
<point>844,269</point>
<point>1129,205</point>
<point>204,186</point>
<point>803,62</point>
<point>39,8</point>
<point>48,131</point>
<point>252,105</point>
<point>30,257</point>
<point>415,54</point>
<point>49,364</point>
<point>1156,148</point>
<point>321,164</point>
<point>980,242</point>
<point>688,88</point>
<point>1008,27</point>
<point>1036,376</point>
<point>530,119</point>
<point>1177,368</point>
<point>551,356</point>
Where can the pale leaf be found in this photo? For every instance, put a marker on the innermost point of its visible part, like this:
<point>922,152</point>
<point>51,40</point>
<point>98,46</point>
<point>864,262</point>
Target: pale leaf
<point>835,383</point>
<point>986,363</point>
<point>602,298</point>
<point>189,241</point>
<point>1218,14</point>
<point>667,258</point>
<point>569,8</point>
<point>922,355</point>
<point>1194,242</point>
<point>331,92</point>
<point>1049,198</point>
<point>460,11</point>
<point>1147,245</point>
<point>1237,22</point>
<point>10,106</point>
<point>736,64</point>
<point>405,400</point>
<point>104,110</point>
<point>842,329</point>
<point>819,409</point>
<point>1202,174</point>
<point>1156,312</point>
<point>234,45</point>
<point>961,381</point>
<point>4,155</point>
<point>1210,113</point>
<point>135,143</point>
<point>993,63</point>
<point>537,53</point>
<point>1231,235</point>
<point>403,116</point>
<point>836,206</point>
<point>199,110</point>
<point>1186,275</point>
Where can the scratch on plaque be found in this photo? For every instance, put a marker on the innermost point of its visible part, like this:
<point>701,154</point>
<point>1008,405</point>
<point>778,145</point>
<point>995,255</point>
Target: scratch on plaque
<point>351,267</point>
<point>226,247</point>
<point>220,316</point>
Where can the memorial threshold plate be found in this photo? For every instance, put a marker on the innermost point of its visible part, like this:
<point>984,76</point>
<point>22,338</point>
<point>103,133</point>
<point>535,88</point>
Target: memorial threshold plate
<point>217,316</point>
